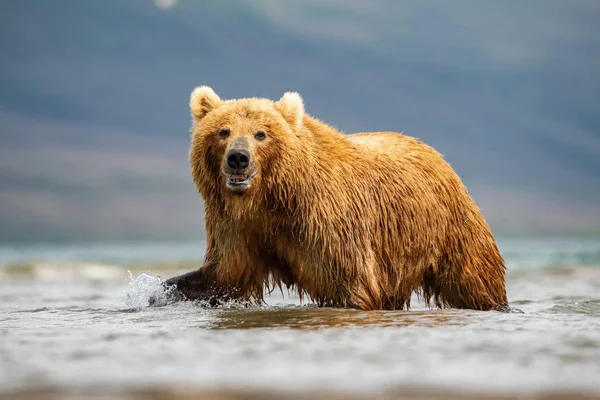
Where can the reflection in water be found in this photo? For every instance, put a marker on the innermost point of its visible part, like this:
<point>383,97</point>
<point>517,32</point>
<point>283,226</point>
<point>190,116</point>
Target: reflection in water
<point>320,318</point>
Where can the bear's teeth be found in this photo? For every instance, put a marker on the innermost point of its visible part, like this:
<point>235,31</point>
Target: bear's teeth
<point>237,179</point>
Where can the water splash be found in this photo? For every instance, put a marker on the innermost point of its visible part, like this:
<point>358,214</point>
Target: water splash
<point>149,291</point>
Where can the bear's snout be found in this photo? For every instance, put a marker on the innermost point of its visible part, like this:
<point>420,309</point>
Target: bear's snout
<point>238,159</point>
<point>239,169</point>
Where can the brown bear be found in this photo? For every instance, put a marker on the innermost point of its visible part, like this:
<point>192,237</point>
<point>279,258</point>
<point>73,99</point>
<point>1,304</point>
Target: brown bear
<point>359,221</point>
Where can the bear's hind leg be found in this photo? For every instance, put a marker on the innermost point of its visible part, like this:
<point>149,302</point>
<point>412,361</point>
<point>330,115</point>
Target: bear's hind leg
<point>465,288</point>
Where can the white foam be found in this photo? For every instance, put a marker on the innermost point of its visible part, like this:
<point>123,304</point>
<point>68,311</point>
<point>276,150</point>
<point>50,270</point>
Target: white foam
<point>60,270</point>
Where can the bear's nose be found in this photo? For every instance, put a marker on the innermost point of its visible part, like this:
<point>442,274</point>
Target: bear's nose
<point>238,159</point>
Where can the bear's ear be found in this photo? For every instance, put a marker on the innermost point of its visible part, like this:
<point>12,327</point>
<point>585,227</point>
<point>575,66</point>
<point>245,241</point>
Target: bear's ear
<point>203,100</point>
<point>291,107</point>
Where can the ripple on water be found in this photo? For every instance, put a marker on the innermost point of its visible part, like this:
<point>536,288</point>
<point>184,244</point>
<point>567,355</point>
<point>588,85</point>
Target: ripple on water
<point>587,307</point>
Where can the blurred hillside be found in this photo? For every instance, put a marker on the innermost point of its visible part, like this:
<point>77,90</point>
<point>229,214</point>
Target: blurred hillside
<point>94,120</point>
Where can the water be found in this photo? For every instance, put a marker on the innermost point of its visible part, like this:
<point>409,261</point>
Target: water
<point>74,323</point>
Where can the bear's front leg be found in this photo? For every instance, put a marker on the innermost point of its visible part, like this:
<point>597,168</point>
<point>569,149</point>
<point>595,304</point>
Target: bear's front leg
<point>201,285</point>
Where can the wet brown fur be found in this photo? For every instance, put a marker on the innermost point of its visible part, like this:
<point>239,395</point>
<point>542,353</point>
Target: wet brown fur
<point>359,220</point>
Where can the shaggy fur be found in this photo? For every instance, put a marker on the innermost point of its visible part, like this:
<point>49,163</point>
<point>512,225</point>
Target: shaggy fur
<point>359,220</point>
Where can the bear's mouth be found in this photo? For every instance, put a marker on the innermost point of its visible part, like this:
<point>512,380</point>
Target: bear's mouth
<point>238,182</point>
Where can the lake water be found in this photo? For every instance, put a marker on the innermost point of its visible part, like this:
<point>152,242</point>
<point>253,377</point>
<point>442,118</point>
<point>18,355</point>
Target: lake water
<point>73,324</point>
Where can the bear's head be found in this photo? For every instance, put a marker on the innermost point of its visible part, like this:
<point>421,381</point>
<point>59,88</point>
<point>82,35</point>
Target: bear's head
<point>236,144</point>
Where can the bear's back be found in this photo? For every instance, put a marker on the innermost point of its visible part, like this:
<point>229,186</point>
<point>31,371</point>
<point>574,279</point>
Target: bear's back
<point>385,150</point>
<point>376,141</point>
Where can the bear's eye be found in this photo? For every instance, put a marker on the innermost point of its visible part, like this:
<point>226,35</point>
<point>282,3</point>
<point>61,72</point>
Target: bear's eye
<point>260,135</point>
<point>224,133</point>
